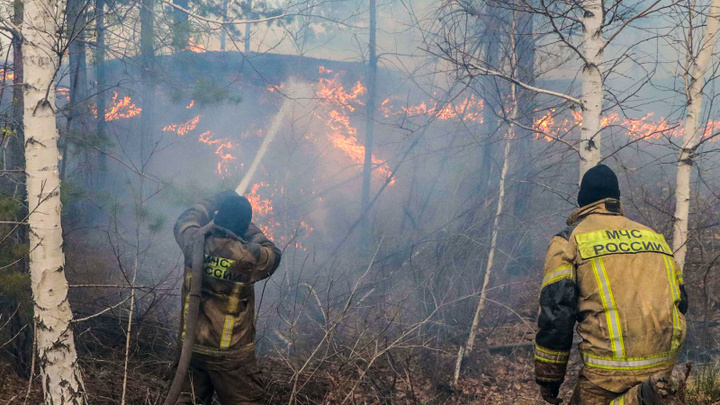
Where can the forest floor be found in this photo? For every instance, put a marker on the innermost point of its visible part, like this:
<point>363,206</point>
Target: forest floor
<point>503,380</point>
<point>510,381</point>
<point>502,376</point>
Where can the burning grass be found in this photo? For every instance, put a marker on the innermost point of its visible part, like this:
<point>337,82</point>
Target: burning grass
<point>121,108</point>
<point>550,126</point>
<point>337,106</point>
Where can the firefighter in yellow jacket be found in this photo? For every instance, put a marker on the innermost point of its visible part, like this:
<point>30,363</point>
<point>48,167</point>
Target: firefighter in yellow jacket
<point>236,255</point>
<point>618,280</point>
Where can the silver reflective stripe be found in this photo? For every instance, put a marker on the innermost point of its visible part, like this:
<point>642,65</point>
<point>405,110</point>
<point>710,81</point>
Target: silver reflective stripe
<point>551,356</point>
<point>625,364</point>
<point>611,313</point>
<point>558,274</point>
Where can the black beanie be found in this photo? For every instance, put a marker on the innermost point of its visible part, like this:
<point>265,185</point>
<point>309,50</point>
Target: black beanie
<point>235,214</point>
<point>598,183</point>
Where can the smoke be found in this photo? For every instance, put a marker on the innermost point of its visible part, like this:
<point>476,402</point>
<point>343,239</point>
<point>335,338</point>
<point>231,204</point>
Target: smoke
<point>296,91</point>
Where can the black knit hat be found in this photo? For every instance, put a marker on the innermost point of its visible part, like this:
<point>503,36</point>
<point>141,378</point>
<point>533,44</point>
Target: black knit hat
<point>235,214</point>
<point>598,183</point>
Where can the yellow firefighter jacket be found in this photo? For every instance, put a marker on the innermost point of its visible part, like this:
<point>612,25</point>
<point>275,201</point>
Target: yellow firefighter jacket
<point>618,280</point>
<point>226,320</point>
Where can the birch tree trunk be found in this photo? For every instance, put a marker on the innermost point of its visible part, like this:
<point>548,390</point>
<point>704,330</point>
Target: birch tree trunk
<point>61,377</point>
<point>696,70</point>
<point>592,85</point>
<point>464,351</point>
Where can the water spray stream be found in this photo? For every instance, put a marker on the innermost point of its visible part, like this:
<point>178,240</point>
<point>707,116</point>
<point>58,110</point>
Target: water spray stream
<point>295,91</point>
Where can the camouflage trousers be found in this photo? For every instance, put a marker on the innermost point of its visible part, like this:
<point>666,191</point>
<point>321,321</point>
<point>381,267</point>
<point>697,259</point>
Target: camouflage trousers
<point>235,382</point>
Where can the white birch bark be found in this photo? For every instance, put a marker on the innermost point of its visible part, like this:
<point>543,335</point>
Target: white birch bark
<point>696,70</point>
<point>465,350</point>
<point>592,85</point>
<point>61,377</point>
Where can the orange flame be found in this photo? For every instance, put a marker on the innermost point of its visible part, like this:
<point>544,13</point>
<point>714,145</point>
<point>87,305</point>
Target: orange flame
<point>195,47</point>
<point>223,147</point>
<point>64,91</point>
<point>189,106</point>
<point>469,109</point>
<point>182,129</point>
<point>338,103</point>
<point>260,206</point>
<point>6,75</point>
<point>122,108</point>
<point>263,209</point>
<point>333,92</point>
<point>644,128</point>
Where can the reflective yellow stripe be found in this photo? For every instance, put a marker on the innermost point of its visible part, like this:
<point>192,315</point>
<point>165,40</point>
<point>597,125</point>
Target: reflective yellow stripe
<point>558,274</point>
<point>611,313</point>
<point>677,331</point>
<point>188,278</point>
<point>619,401</point>
<point>551,356</point>
<point>185,314</point>
<point>551,361</point>
<point>638,363</point>
<point>675,292</point>
<point>618,241</point>
<point>233,302</point>
<point>551,352</point>
<point>210,351</point>
<point>678,275</point>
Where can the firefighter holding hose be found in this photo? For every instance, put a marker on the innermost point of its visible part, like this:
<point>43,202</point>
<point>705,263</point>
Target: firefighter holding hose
<point>218,238</point>
<point>618,280</point>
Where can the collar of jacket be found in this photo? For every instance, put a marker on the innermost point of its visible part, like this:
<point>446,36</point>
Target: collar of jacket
<point>221,232</point>
<point>608,206</point>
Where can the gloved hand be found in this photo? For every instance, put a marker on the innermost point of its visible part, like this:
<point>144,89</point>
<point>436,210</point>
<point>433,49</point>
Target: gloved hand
<point>254,249</point>
<point>550,392</point>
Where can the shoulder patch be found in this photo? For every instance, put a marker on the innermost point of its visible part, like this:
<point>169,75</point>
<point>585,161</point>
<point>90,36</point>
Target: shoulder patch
<point>565,233</point>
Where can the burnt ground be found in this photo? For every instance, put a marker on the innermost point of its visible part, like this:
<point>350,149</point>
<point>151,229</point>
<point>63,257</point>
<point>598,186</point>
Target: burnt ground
<point>491,375</point>
<point>488,378</point>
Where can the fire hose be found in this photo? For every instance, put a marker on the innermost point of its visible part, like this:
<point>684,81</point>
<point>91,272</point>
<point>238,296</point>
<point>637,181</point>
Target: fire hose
<point>190,320</point>
<point>193,304</point>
